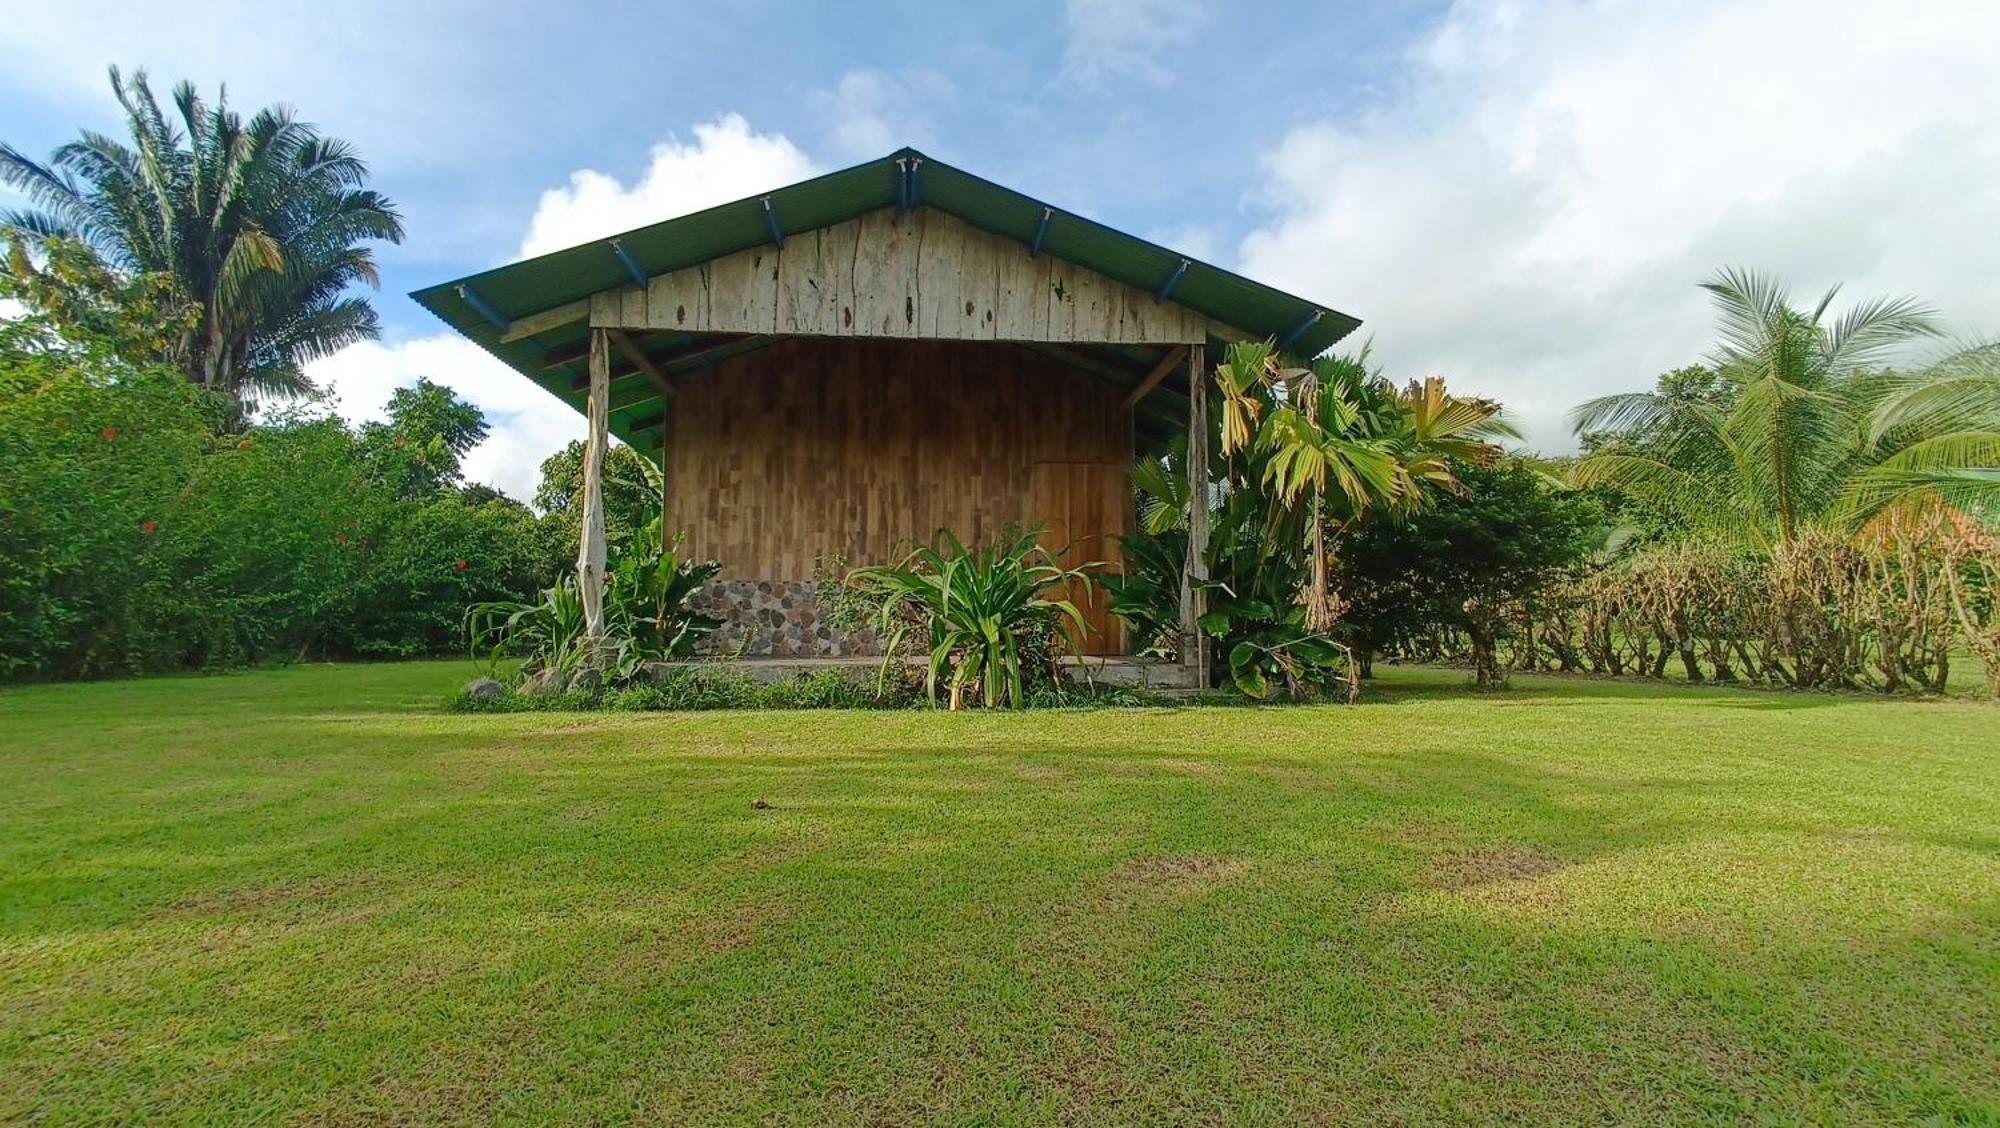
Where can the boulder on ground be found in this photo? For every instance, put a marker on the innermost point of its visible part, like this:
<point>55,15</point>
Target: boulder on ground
<point>485,689</point>
<point>587,680</point>
<point>543,682</point>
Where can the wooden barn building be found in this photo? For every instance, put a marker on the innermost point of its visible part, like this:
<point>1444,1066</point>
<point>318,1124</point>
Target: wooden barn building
<point>850,363</point>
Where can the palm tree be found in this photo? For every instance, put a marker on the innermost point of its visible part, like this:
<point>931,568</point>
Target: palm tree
<point>1793,432</point>
<point>1340,439</point>
<point>1933,437</point>
<point>261,224</point>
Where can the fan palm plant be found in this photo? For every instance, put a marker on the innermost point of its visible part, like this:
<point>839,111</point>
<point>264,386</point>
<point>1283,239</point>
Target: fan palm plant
<point>1333,442</point>
<point>1793,432</point>
<point>260,223</point>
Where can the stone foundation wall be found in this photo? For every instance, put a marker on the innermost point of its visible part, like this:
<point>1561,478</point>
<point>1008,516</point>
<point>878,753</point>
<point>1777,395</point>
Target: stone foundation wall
<point>781,618</point>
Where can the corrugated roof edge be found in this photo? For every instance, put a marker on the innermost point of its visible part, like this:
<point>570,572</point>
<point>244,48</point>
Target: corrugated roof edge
<point>1330,326</point>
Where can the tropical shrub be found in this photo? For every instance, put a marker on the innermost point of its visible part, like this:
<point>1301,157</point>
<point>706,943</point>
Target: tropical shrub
<point>986,614</point>
<point>1302,454</point>
<point>1881,612</point>
<point>1465,564</point>
<point>647,617</point>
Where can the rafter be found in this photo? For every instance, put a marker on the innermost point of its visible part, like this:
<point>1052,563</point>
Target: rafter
<point>1167,364</point>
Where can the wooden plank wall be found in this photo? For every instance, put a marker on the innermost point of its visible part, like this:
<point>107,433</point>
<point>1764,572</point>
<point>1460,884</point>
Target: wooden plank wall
<point>920,274</point>
<point>851,447</point>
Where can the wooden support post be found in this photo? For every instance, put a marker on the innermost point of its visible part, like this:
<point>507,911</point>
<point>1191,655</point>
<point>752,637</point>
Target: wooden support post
<point>590,545</point>
<point>1194,641</point>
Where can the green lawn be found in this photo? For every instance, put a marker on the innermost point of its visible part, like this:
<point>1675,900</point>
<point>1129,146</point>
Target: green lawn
<point>306,894</point>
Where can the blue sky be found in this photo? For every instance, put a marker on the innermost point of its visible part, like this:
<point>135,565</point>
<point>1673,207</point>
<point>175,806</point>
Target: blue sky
<point>1519,194</point>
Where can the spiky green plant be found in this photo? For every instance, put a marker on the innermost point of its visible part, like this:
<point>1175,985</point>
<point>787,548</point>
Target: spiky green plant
<point>979,610</point>
<point>647,616</point>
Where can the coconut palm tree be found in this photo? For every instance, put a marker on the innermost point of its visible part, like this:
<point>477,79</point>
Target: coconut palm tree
<point>1793,432</point>
<point>261,224</point>
<point>1933,437</point>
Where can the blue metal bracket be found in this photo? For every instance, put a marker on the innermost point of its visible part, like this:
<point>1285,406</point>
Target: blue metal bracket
<point>1299,330</point>
<point>909,187</point>
<point>631,264</point>
<point>1041,233</point>
<point>1166,291</point>
<point>482,307</point>
<point>771,224</point>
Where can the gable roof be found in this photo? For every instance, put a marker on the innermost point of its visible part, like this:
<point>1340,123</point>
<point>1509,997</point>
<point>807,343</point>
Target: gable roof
<point>486,305</point>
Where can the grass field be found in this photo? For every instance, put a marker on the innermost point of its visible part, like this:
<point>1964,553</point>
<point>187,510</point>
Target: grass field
<point>306,894</point>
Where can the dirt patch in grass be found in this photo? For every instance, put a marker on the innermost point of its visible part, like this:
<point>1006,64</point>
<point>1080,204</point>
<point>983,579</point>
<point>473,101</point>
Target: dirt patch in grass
<point>266,898</point>
<point>1183,873</point>
<point>1466,870</point>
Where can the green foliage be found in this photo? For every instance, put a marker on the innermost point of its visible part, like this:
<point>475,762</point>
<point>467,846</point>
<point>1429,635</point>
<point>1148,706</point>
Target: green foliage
<point>1505,536</point>
<point>631,499</point>
<point>650,588</point>
<point>1301,453</point>
<point>646,615</point>
<point>136,537</point>
<point>712,685</point>
<point>261,225</point>
<point>417,452</point>
<point>984,614</point>
<point>1801,428</point>
<point>436,556</point>
<point>1146,595</point>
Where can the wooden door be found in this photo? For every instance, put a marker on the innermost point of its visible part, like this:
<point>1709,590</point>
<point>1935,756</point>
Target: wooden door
<point>1083,507</point>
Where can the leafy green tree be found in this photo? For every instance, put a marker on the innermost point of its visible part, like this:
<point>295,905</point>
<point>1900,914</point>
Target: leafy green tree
<point>262,225</point>
<point>631,499</point>
<point>1502,537</point>
<point>430,430</point>
<point>1933,435</point>
<point>436,557</point>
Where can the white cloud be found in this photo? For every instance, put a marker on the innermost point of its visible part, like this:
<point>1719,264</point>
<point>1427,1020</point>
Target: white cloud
<point>1530,214</point>
<point>1195,240</point>
<point>870,112</point>
<point>527,423</point>
<point>1106,40</point>
<point>727,161</point>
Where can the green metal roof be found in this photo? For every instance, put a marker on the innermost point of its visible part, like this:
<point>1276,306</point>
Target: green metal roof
<point>481,305</point>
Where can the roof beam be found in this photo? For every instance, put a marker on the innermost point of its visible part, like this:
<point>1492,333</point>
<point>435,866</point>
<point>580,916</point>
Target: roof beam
<point>771,224</point>
<point>482,307</point>
<point>1299,330</point>
<point>555,317</point>
<point>642,363</point>
<point>1109,373</point>
<point>631,264</point>
<point>568,354</point>
<point>718,353</point>
<point>1167,364</point>
<point>1041,232</point>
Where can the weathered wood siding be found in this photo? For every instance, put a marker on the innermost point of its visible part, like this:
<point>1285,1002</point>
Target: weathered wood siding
<point>818,447</point>
<point>920,274</point>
